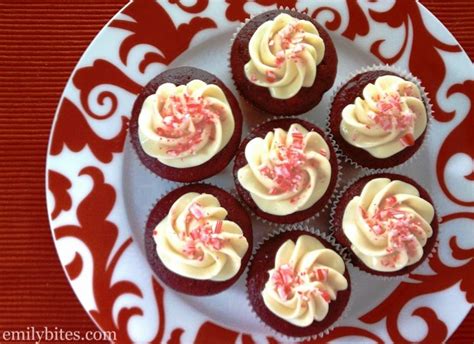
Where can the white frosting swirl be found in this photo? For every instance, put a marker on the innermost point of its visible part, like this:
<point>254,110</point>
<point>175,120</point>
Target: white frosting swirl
<point>287,171</point>
<point>390,117</point>
<point>185,126</point>
<point>194,240</point>
<point>284,55</point>
<point>388,224</point>
<point>306,277</point>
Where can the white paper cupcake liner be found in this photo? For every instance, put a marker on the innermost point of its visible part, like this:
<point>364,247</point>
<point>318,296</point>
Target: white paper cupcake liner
<point>336,247</point>
<point>407,76</point>
<point>332,217</point>
<point>336,187</point>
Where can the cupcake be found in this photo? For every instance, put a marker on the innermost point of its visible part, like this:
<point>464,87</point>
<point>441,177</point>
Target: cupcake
<point>186,125</point>
<point>379,119</point>
<point>286,170</point>
<point>198,239</point>
<point>298,284</point>
<point>388,223</point>
<point>283,62</point>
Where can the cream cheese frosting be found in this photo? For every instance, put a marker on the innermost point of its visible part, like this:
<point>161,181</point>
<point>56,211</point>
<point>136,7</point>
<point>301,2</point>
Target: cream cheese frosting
<point>194,240</point>
<point>186,125</point>
<point>306,277</point>
<point>390,117</point>
<point>284,55</point>
<point>286,171</point>
<point>388,224</point>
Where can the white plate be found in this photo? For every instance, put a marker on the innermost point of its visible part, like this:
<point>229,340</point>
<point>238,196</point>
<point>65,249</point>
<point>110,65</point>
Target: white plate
<point>99,195</point>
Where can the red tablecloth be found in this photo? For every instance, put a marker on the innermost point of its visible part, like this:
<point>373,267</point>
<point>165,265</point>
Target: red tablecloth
<point>40,43</point>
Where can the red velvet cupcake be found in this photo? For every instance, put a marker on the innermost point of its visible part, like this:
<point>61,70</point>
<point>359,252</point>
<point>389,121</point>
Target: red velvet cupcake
<point>291,270</point>
<point>186,125</point>
<point>286,170</point>
<point>283,62</point>
<point>198,239</point>
<point>379,118</point>
<point>388,222</point>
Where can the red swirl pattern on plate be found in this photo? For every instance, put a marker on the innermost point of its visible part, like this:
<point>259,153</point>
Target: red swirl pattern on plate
<point>458,141</point>
<point>236,12</point>
<point>102,72</point>
<point>92,213</point>
<point>168,39</point>
<point>59,186</point>
<point>70,121</point>
<point>172,40</point>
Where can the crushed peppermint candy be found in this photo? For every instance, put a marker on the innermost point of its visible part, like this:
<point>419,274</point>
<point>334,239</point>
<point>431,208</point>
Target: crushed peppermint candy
<point>400,226</point>
<point>196,211</point>
<point>291,41</point>
<point>320,274</point>
<point>286,171</point>
<point>280,58</point>
<point>291,34</point>
<point>407,139</point>
<point>287,282</point>
<point>389,114</point>
<point>284,279</point>
<point>270,76</point>
<point>202,234</point>
<point>324,294</point>
<point>187,116</point>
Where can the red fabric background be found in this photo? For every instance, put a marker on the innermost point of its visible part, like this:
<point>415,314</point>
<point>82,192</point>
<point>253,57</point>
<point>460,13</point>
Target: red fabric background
<point>40,43</point>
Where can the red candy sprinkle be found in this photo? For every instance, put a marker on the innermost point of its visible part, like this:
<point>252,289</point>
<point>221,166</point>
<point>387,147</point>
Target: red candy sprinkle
<point>270,76</point>
<point>390,201</point>
<point>324,294</point>
<point>407,140</point>
<point>320,275</point>
<point>218,227</point>
<point>197,211</point>
<point>389,114</point>
<point>280,58</point>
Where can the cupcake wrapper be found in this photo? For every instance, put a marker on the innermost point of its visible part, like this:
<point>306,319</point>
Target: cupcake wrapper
<point>138,161</point>
<point>336,187</point>
<point>168,189</point>
<point>426,100</point>
<point>332,217</point>
<point>330,239</point>
<point>229,49</point>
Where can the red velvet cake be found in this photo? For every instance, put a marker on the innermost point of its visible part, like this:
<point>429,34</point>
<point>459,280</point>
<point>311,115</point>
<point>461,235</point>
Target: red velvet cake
<point>186,125</point>
<point>298,275</point>
<point>187,228</point>
<point>287,169</point>
<point>300,67</point>
<point>388,115</point>
<point>396,225</point>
